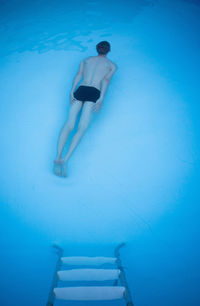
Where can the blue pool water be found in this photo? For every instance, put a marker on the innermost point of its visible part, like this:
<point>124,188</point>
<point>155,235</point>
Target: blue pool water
<point>135,175</point>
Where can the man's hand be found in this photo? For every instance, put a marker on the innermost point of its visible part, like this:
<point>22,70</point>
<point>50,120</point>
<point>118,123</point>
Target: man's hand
<point>72,99</point>
<point>97,105</point>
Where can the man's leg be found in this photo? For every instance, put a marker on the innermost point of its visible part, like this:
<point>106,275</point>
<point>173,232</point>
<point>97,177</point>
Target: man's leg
<point>85,119</point>
<point>68,127</point>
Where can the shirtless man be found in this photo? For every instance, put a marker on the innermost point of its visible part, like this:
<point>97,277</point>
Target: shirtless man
<point>96,72</point>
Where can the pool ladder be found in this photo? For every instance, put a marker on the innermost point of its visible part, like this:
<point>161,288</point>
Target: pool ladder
<point>89,293</point>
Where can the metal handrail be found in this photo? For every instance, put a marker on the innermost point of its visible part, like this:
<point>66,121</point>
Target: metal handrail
<point>122,277</point>
<point>51,297</point>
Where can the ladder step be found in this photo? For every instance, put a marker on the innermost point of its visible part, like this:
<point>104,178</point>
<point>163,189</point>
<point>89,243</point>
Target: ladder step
<point>84,260</point>
<point>90,293</point>
<point>89,274</point>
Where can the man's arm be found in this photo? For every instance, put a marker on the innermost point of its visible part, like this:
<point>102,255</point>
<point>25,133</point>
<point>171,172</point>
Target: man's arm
<point>78,76</point>
<point>105,82</point>
<point>104,85</point>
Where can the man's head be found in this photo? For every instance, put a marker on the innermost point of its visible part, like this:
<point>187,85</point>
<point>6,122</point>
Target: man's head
<point>103,47</point>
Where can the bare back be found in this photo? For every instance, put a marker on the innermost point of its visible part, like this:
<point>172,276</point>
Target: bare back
<point>95,70</point>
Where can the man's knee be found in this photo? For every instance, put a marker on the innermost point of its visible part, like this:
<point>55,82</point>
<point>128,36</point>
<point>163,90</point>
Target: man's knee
<point>82,128</point>
<point>70,126</point>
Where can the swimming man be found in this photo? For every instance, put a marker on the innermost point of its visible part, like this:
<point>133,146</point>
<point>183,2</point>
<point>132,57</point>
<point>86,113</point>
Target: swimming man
<point>96,72</point>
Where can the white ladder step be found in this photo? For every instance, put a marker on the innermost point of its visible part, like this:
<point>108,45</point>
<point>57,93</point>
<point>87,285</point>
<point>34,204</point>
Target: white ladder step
<point>85,260</point>
<point>89,274</point>
<point>90,293</point>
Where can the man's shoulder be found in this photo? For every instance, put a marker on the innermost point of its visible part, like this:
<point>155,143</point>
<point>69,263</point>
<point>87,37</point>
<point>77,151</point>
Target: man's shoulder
<point>112,64</point>
<point>87,58</point>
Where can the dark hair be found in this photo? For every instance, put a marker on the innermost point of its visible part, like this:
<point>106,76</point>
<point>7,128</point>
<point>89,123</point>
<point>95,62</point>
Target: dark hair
<point>103,47</point>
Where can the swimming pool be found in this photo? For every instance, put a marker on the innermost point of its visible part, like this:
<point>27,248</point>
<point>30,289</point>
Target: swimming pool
<point>134,176</point>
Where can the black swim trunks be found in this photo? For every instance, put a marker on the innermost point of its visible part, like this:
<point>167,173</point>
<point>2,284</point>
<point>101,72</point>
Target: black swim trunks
<point>87,93</point>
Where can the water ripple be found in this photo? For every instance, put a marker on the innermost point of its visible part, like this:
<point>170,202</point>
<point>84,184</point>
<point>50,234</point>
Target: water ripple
<point>45,25</point>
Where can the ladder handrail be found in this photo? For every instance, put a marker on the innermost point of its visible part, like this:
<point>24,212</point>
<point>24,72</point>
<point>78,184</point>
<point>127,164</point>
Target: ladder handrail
<point>122,276</point>
<point>51,297</point>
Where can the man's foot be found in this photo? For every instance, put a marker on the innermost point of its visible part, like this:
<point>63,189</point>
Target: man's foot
<point>57,167</point>
<point>60,167</point>
<point>64,170</point>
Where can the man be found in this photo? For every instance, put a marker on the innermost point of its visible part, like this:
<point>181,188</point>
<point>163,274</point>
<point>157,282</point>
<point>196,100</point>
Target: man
<point>96,72</point>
